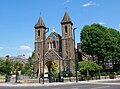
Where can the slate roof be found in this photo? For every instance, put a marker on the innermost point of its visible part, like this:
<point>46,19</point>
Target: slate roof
<point>66,19</point>
<point>40,23</point>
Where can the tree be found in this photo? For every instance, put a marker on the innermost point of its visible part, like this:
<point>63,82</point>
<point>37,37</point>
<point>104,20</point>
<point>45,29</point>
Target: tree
<point>27,68</point>
<point>30,59</point>
<point>1,67</point>
<point>88,65</point>
<point>54,68</point>
<point>18,65</point>
<point>92,40</point>
<point>100,41</point>
<point>7,67</point>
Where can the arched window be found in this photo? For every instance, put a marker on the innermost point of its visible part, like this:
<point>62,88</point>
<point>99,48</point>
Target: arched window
<point>66,31</point>
<point>66,53</point>
<point>50,45</point>
<point>38,32</point>
<point>53,36</point>
<point>54,44</point>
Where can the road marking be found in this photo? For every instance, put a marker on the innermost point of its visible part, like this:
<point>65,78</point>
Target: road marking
<point>55,88</point>
<point>80,86</point>
<point>74,88</point>
<point>100,87</point>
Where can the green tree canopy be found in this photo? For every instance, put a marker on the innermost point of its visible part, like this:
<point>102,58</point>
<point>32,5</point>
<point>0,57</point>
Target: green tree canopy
<point>6,66</point>
<point>88,66</point>
<point>31,58</point>
<point>54,68</point>
<point>27,69</point>
<point>97,40</point>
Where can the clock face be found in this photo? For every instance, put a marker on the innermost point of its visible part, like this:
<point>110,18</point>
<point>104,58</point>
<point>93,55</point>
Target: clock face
<point>53,36</point>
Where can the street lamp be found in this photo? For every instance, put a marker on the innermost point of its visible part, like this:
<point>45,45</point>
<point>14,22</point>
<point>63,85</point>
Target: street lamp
<point>59,71</point>
<point>7,74</point>
<point>39,67</point>
<point>75,56</point>
<point>16,75</point>
<point>68,67</point>
<point>43,53</point>
<point>69,71</point>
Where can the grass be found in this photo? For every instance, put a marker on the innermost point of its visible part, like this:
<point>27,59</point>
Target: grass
<point>2,77</point>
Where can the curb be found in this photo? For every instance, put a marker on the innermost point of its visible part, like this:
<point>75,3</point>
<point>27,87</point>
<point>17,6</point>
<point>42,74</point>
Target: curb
<point>60,84</point>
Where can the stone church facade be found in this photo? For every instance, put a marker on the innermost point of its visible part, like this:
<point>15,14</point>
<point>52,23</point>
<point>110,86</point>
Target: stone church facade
<point>54,47</point>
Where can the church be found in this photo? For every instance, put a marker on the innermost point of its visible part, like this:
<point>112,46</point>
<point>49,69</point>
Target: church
<point>54,47</point>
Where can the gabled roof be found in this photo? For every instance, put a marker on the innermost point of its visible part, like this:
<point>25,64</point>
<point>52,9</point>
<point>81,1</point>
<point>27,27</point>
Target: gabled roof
<point>66,19</point>
<point>40,23</point>
<point>56,34</point>
<point>51,55</point>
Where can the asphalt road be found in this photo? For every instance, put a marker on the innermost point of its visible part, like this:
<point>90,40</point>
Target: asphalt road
<point>116,81</point>
<point>73,86</point>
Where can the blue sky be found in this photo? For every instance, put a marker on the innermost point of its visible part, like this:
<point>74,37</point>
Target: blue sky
<point>18,17</point>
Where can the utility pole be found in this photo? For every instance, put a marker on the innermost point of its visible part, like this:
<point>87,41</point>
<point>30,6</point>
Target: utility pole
<point>39,66</point>
<point>44,52</point>
<point>75,56</point>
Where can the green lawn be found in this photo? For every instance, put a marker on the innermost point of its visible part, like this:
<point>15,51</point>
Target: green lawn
<point>2,77</point>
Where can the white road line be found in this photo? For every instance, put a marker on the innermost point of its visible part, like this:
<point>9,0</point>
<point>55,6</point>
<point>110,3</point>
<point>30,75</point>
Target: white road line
<point>80,86</point>
<point>100,87</point>
<point>55,88</point>
<point>74,88</point>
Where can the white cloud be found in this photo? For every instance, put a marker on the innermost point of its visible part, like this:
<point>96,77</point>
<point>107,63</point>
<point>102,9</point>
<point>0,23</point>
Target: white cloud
<point>101,23</point>
<point>119,25</point>
<point>24,47</point>
<point>1,48</point>
<point>67,1</point>
<point>91,3</point>
<point>28,55</point>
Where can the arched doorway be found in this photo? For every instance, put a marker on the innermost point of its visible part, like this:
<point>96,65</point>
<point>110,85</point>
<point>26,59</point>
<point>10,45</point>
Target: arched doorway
<point>48,65</point>
<point>54,61</point>
<point>51,76</point>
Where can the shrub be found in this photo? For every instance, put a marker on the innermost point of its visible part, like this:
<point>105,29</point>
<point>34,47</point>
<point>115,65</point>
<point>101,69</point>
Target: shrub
<point>118,72</point>
<point>115,73</point>
<point>79,74</point>
<point>108,73</point>
<point>104,74</point>
<point>66,74</point>
<point>73,74</point>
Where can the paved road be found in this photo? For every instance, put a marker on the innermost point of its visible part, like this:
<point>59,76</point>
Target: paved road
<point>73,86</point>
<point>112,81</point>
<point>93,84</point>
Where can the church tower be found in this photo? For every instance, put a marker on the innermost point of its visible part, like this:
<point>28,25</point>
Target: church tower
<point>40,37</point>
<point>67,41</point>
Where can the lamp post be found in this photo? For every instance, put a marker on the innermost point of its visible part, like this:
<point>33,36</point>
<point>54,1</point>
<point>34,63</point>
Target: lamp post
<point>69,71</point>
<point>16,76</point>
<point>68,67</point>
<point>7,70</point>
<point>59,71</point>
<point>17,73</point>
<point>39,67</point>
<point>75,55</point>
<point>32,73</point>
<point>44,52</point>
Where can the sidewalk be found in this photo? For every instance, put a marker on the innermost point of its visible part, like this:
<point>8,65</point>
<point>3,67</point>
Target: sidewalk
<point>62,83</point>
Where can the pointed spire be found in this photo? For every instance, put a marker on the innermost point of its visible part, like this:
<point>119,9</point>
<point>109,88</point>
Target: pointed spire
<point>40,23</point>
<point>66,19</point>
